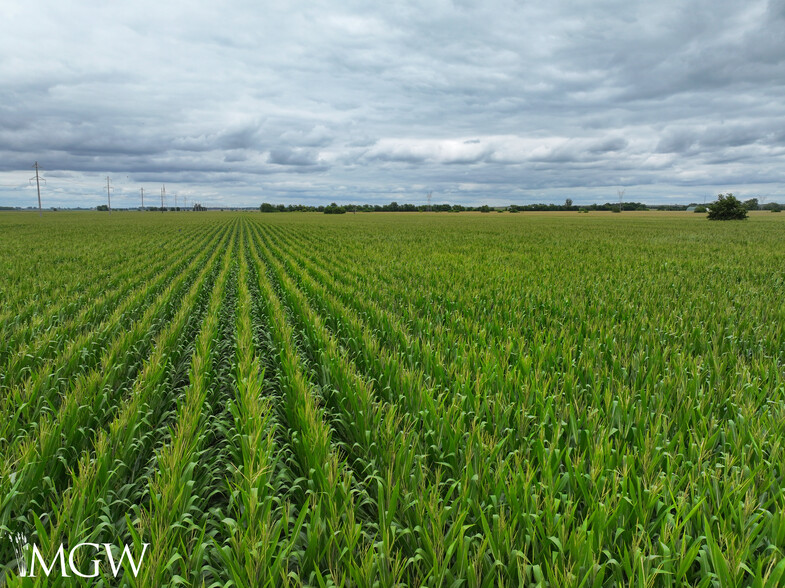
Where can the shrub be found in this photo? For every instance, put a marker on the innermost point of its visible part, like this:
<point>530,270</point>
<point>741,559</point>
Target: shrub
<point>727,207</point>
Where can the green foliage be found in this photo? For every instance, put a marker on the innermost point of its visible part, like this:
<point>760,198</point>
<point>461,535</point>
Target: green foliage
<point>727,207</point>
<point>700,209</point>
<point>334,209</point>
<point>751,204</point>
<point>444,207</point>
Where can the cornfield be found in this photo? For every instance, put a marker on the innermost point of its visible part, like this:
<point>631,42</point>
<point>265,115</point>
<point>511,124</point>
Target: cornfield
<point>395,400</point>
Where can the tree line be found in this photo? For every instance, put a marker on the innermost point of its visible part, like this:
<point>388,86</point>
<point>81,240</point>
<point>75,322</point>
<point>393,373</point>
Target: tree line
<point>334,208</point>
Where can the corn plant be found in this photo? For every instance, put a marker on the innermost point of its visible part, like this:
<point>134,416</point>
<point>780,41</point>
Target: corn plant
<point>395,400</point>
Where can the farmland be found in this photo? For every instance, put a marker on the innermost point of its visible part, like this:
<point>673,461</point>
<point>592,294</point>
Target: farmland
<point>390,399</point>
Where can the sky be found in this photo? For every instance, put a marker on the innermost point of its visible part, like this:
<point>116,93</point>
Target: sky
<point>490,102</point>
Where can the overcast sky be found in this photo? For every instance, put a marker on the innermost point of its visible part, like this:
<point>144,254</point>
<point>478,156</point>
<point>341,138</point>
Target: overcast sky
<point>492,102</point>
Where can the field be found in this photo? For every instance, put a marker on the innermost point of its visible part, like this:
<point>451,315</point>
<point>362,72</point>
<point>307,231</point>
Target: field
<point>392,399</point>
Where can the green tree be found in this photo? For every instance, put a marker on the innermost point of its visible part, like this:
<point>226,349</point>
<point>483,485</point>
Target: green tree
<point>727,207</point>
<point>773,206</point>
<point>751,204</point>
<point>334,209</point>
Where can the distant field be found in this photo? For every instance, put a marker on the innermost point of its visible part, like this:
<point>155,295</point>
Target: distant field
<point>531,399</point>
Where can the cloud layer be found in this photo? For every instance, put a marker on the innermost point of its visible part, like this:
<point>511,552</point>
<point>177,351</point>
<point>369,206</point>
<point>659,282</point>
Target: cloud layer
<point>493,102</point>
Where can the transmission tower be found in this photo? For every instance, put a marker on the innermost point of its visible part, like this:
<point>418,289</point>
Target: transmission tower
<point>108,196</point>
<point>621,196</point>
<point>38,181</point>
<point>430,197</point>
<point>142,192</point>
<point>163,194</point>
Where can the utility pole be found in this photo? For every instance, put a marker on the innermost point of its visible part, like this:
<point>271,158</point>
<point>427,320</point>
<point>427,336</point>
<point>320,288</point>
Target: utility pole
<point>108,197</point>
<point>163,193</point>
<point>430,196</point>
<point>185,203</point>
<point>38,187</point>
<point>175,200</point>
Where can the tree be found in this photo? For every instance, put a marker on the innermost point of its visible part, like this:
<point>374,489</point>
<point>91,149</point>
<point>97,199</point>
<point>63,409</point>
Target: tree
<point>267,207</point>
<point>568,203</point>
<point>102,207</point>
<point>727,207</point>
<point>751,204</point>
<point>334,209</point>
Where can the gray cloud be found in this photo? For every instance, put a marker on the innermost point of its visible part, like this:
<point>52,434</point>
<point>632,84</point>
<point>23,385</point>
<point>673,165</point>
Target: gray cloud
<point>293,157</point>
<point>495,101</point>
